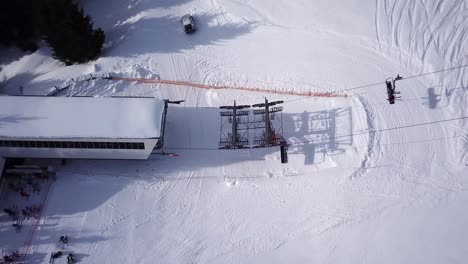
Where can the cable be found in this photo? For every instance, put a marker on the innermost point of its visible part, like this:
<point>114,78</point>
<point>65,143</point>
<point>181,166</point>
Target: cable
<point>375,84</point>
<point>344,90</point>
<point>361,133</point>
<point>186,148</point>
<point>427,73</point>
<point>383,130</point>
<point>335,137</point>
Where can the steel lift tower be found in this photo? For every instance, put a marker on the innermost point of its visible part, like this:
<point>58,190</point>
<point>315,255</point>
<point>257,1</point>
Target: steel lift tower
<point>237,136</point>
<point>269,134</point>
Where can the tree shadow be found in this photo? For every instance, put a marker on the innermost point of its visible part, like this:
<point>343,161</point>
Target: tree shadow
<point>145,26</point>
<point>39,258</point>
<point>109,16</point>
<point>49,230</point>
<point>51,236</point>
<point>10,54</point>
<point>165,35</point>
<point>20,84</point>
<point>5,120</point>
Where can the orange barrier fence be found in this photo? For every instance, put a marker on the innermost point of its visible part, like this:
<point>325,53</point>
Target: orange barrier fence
<point>216,87</point>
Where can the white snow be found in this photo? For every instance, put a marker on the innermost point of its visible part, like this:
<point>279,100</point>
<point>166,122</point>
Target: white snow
<point>80,117</point>
<point>366,182</point>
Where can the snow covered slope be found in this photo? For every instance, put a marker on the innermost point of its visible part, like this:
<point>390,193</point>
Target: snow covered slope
<point>366,182</point>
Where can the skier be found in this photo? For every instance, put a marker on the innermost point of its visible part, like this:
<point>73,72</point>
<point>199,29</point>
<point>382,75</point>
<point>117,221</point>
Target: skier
<point>36,187</point>
<point>55,255</point>
<point>11,212</point>
<point>70,258</point>
<point>24,194</point>
<point>26,214</point>
<point>8,259</point>
<point>64,240</point>
<point>17,224</point>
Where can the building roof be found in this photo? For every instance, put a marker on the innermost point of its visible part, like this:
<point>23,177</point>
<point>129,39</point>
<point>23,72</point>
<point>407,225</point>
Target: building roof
<point>80,117</point>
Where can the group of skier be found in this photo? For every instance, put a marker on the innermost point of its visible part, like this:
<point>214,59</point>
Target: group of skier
<point>63,240</point>
<point>11,258</point>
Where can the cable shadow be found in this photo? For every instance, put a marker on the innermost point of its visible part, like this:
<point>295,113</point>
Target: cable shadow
<point>388,129</point>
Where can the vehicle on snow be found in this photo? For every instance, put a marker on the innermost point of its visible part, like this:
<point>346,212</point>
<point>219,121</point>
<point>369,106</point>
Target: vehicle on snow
<point>188,23</point>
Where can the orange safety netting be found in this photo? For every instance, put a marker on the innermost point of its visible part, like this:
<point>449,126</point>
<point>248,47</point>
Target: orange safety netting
<point>205,86</point>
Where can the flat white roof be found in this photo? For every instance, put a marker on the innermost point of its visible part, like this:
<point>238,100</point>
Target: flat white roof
<point>80,117</point>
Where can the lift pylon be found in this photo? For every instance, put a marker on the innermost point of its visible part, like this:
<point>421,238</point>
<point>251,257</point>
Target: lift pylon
<point>234,132</point>
<point>269,124</point>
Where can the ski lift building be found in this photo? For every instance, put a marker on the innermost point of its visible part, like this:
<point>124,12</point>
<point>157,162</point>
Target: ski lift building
<point>2,164</point>
<point>79,127</point>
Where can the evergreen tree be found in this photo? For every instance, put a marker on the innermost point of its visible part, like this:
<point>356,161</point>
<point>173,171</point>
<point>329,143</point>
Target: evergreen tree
<point>68,31</point>
<point>17,24</point>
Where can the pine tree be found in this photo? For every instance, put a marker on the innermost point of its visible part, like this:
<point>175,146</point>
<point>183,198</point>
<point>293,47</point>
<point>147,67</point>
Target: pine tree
<point>17,25</point>
<point>68,31</point>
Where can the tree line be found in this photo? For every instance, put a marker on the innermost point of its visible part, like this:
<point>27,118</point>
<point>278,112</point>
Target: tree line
<point>61,23</point>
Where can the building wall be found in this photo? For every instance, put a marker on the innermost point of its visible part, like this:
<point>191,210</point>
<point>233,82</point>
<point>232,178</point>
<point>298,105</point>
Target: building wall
<point>79,153</point>
<point>2,164</point>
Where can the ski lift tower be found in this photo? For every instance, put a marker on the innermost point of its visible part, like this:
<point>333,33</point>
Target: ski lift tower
<point>235,135</point>
<point>268,124</point>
